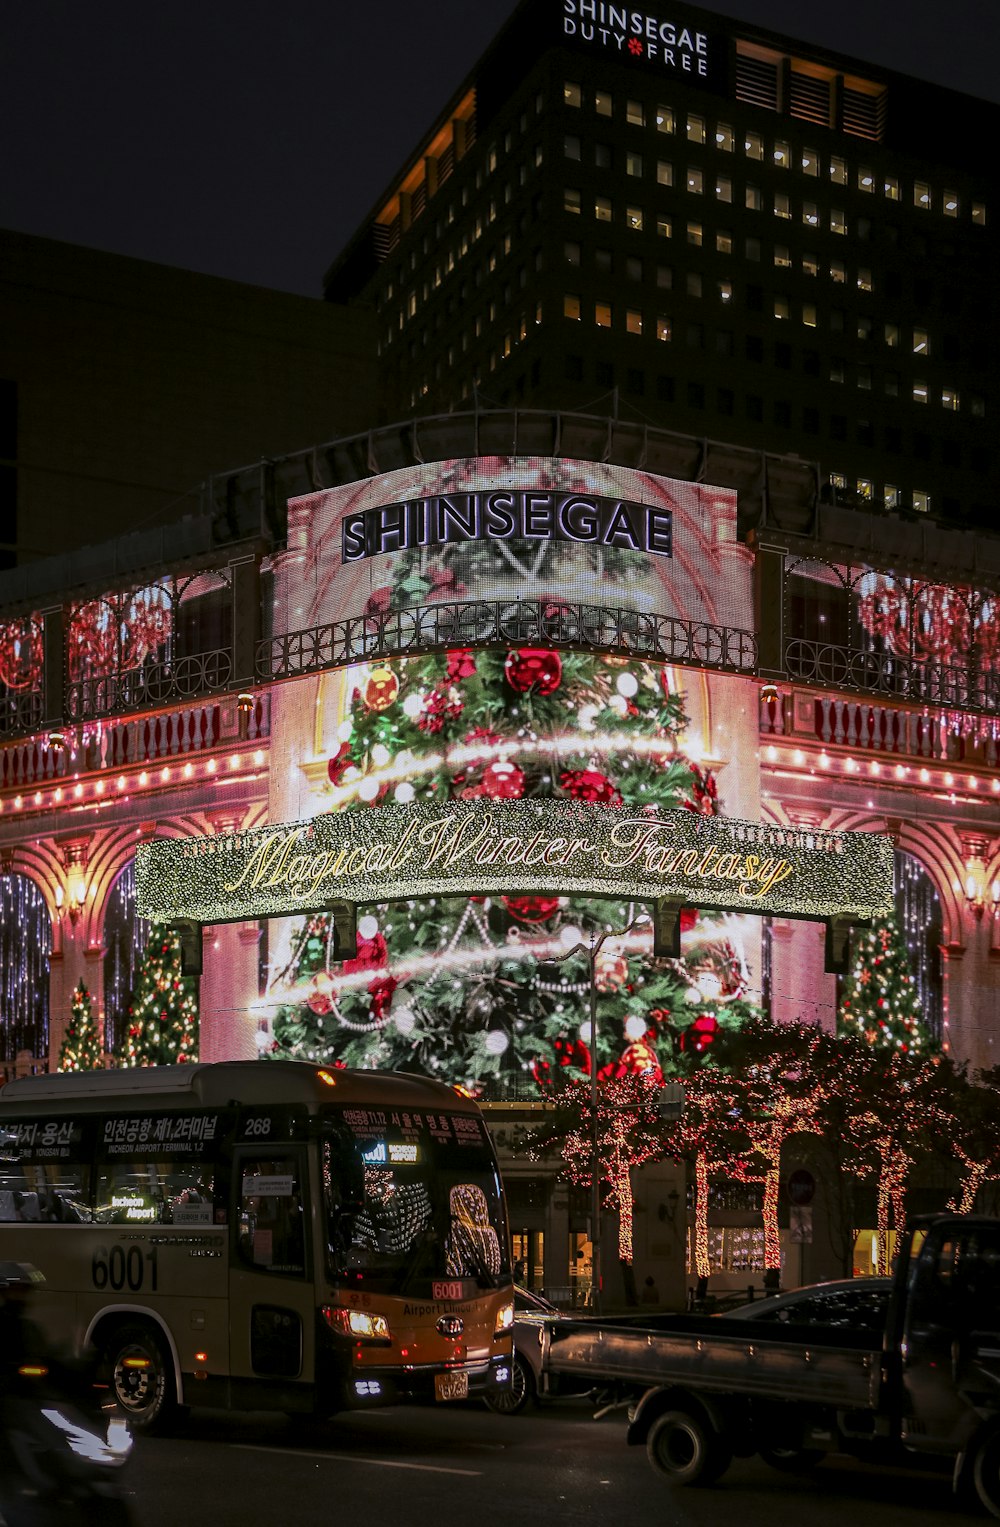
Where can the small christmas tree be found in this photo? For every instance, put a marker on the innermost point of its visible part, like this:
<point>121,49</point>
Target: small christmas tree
<point>881,1002</point>
<point>81,1046</point>
<point>163,1018</point>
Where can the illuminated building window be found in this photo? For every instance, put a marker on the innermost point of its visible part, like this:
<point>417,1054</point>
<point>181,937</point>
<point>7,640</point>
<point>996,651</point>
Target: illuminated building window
<point>782,255</point>
<point>602,209</point>
<point>694,233</point>
<point>809,314</point>
<point>949,399</point>
<point>633,218</point>
<point>810,263</point>
<point>602,315</point>
<point>664,119</point>
<point>663,329</point>
<point>752,198</point>
<point>571,146</point>
<point>782,204</point>
<point>724,240</point>
<point>838,170</point>
<point>810,214</point>
<point>838,480</point>
<point>695,129</point>
<point>724,139</point>
<point>572,94</point>
<point>602,103</point>
<point>890,187</point>
<point>633,164</point>
<point>922,196</point>
<point>979,213</point>
<point>891,333</point>
<point>725,291</point>
<point>753,146</point>
<point>723,188</point>
<point>695,181</point>
<point>571,199</point>
<point>890,496</point>
<point>921,342</point>
<point>864,279</point>
<point>782,156</point>
<point>838,270</point>
<point>838,220</point>
<point>865,489</point>
<point>866,179</point>
<point>920,392</point>
<point>635,114</point>
<point>781,307</point>
<point>810,161</point>
<point>571,307</point>
<point>664,227</point>
<point>949,204</point>
<point>633,321</point>
<point>664,173</point>
<point>921,501</point>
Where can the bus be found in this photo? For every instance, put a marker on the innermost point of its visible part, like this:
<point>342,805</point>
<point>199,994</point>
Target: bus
<point>253,1235</point>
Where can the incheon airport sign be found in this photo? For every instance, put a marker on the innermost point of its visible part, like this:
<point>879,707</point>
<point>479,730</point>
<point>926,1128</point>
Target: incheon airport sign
<point>458,848</point>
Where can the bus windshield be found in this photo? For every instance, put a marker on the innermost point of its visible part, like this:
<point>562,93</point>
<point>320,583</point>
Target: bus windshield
<point>411,1199</point>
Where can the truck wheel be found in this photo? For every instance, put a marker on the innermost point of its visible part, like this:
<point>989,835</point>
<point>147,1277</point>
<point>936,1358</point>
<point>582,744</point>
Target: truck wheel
<point>684,1447</point>
<point>142,1378</point>
<point>508,1402</point>
<point>986,1473</point>
<point>792,1460</point>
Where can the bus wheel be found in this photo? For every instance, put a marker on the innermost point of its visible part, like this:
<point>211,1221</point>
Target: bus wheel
<point>986,1472</point>
<point>684,1447</point>
<point>508,1402</point>
<point>142,1378</point>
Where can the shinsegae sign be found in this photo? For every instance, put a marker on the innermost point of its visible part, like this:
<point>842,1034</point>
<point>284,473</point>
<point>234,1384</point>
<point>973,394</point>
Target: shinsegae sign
<point>521,514</point>
<point>458,848</point>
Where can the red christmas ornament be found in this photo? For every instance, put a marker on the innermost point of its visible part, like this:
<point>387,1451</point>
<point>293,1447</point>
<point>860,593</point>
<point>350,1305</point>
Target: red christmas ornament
<point>688,919</point>
<point>372,952</point>
<point>531,909</point>
<point>533,668</point>
<point>569,1054</point>
<point>700,1035</point>
<point>502,782</point>
<point>381,689</point>
<point>591,786</point>
<point>339,764</point>
<point>381,992</point>
<point>639,1059</point>
<point>461,664</point>
<point>440,705</point>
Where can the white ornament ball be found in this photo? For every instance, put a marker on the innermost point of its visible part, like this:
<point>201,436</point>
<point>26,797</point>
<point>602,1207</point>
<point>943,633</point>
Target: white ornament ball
<point>404,792</point>
<point>405,1020</point>
<point>635,1027</point>
<point>368,926</point>
<point>412,706</point>
<point>570,935</point>
<point>496,1042</point>
<point>619,705</point>
<point>380,755</point>
<point>627,685</point>
<point>369,788</point>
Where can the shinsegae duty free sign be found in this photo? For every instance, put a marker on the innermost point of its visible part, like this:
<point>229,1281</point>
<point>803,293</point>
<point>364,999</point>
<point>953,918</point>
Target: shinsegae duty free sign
<point>390,853</point>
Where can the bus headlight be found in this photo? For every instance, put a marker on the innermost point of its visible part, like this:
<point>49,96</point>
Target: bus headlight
<point>504,1320</point>
<point>361,1325</point>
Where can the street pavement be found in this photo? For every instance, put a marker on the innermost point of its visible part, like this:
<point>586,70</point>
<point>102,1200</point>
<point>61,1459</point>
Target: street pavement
<point>452,1465</point>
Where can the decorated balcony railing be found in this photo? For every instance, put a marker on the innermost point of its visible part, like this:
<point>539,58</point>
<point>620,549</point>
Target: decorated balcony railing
<point>951,686</point>
<point>860,726</point>
<point>498,623</point>
<point>152,685</point>
<point>106,745</point>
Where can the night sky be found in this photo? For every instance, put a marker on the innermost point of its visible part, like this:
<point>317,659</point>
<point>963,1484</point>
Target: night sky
<point>248,138</point>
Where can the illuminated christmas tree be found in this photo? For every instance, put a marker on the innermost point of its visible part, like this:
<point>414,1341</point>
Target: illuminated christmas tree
<point>881,1002</point>
<point>163,1017</point>
<point>481,990</point>
<point>81,1047</point>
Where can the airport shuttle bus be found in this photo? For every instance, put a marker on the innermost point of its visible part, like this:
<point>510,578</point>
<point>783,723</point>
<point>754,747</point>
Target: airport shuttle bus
<point>261,1235</point>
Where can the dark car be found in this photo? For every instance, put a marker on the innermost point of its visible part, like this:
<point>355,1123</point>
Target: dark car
<point>857,1304</point>
<point>530,1381</point>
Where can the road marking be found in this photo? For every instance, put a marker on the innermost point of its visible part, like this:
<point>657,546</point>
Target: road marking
<point>378,1463</point>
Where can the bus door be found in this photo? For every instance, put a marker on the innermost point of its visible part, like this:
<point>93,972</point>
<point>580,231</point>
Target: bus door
<point>272,1298</point>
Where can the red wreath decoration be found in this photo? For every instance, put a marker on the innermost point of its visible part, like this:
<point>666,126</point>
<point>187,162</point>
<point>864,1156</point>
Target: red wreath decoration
<point>591,786</point>
<point>533,668</point>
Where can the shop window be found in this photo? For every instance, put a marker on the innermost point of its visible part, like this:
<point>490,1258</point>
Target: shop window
<point>782,156</point>
<point>571,307</point>
<point>753,146</point>
<point>633,218</point>
<point>572,94</point>
<point>695,129</point>
<point>634,113</point>
<point>633,164</point>
<point>695,181</point>
<point>724,240</point>
<point>571,199</point>
<point>602,315</point>
<point>810,162</point>
<point>922,196</point>
<point>921,342</point>
<point>633,321</point>
<point>602,209</point>
<point>782,255</point>
<point>782,204</point>
<point>866,179</point>
<point>838,170</point>
<point>664,173</point>
<point>602,103</point>
<point>752,198</point>
<point>571,146</point>
<point>664,119</point>
<point>725,142</point>
<point>949,399</point>
<point>723,188</point>
<point>664,331</point>
<point>664,227</point>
